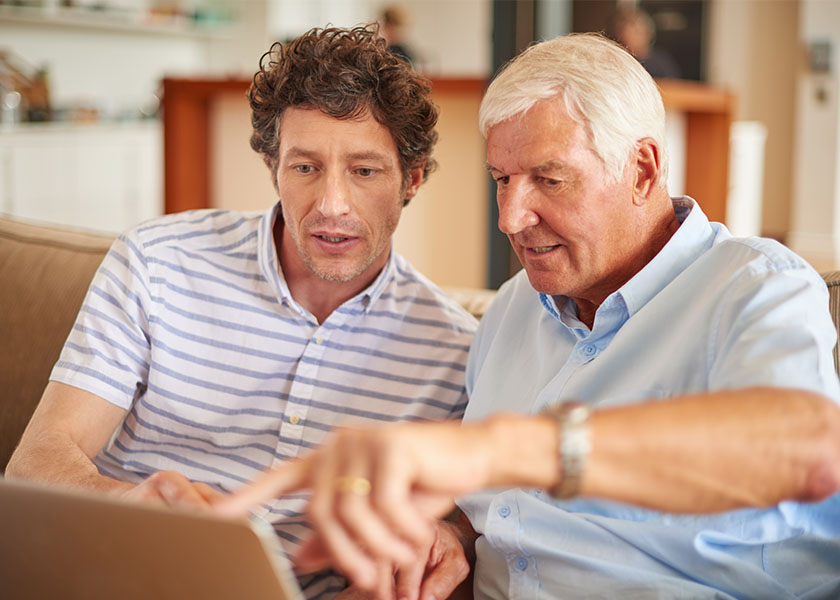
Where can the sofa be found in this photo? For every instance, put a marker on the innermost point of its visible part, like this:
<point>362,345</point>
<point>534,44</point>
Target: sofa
<point>44,274</point>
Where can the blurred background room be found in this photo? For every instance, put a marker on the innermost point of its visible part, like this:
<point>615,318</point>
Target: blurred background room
<point>114,111</point>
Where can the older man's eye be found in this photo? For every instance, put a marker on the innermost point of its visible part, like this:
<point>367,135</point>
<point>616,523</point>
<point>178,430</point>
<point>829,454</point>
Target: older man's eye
<point>365,171</point>
<point>303,169</point>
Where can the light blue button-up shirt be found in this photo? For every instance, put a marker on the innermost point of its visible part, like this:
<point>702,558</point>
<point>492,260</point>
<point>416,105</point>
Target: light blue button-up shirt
<point>709,312</point>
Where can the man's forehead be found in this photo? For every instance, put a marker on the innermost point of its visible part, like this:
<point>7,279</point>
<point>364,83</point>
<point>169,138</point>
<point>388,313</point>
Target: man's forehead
<point>298,115</point>
<point>309,131</point>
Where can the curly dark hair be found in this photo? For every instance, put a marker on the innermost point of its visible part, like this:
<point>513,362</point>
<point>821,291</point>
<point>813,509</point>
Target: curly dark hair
<point>343,73</point>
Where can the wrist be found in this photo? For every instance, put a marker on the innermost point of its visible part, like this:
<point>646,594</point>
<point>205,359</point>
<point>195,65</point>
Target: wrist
<point>523,450</point>
<point>573,446</point>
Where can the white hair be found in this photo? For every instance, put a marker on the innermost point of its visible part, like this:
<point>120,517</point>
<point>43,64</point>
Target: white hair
<point>603,87</point>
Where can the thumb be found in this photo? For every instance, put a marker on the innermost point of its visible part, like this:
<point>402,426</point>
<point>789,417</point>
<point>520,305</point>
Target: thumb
<point>288,477</point>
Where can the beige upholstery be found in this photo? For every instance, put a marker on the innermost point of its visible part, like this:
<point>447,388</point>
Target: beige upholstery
<point>476,301</point>
<point>44,273</point>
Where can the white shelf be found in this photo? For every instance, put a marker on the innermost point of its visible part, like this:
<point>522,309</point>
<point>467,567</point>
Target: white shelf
<point>125,22</point>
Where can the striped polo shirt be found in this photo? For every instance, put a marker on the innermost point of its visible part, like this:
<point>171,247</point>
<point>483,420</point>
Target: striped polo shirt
<point>189,326</point>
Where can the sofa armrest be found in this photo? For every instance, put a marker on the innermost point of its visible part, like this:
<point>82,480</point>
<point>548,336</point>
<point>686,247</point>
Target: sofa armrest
<point>45,272</point>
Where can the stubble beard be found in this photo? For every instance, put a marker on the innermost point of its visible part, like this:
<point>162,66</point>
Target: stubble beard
<point>342,273</point>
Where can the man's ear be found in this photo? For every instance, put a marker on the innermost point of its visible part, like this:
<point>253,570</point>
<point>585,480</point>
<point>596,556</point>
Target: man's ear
<point>415,179</point>
<point>647,170</point>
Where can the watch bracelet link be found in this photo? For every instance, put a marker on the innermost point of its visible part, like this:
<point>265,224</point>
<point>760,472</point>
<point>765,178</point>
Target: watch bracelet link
<point>573,445</point>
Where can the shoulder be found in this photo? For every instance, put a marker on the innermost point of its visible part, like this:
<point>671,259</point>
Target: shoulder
<point>755,259</point>
<point>196,230</point>
<point>414,293</point>
<point>760,253</point>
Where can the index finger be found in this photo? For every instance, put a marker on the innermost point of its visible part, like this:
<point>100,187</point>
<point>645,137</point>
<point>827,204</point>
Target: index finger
<point>288,477</point>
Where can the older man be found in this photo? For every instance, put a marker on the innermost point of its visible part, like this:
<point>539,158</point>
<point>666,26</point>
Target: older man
<point>678,434</point>
<point>213,344</point>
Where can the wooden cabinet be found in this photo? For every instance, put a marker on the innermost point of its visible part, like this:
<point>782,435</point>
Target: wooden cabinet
<point>708,118</point>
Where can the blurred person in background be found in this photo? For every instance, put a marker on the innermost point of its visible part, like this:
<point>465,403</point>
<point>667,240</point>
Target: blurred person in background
<point>635,30</point>
<point>396,20</point>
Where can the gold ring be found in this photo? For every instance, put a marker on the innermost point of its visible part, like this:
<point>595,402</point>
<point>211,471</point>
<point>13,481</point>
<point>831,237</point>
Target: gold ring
<point>358,486</point>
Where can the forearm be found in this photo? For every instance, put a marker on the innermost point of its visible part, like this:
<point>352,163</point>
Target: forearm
<point>69,427</point>
<point>53,457</point>
<point>717,452</point>
<point>703,453</point>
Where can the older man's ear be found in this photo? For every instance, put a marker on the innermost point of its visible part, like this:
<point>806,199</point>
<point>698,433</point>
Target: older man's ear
<point>648,172</point>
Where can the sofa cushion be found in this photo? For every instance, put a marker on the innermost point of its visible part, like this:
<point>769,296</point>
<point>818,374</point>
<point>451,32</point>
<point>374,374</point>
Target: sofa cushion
<point>45,272</point>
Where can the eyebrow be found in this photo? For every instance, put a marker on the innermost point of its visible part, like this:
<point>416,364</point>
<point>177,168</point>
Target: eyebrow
<point>296,151</point>
<point>551,165</point>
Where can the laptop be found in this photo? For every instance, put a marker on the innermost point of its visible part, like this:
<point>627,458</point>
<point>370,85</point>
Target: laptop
<point>56,543</point>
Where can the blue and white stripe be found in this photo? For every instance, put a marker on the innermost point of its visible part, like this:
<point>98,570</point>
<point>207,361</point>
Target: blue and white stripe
<point>193,309</point>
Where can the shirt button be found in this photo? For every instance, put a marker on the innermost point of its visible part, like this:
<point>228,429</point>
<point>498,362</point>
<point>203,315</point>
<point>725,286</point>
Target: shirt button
<point>589,350</point>
<point>294,419</point>
<point>521,563</point>
<point>319,340</point>
<point>504,512</point>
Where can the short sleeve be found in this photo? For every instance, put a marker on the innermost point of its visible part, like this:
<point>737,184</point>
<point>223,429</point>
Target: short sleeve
<point>107,351</point>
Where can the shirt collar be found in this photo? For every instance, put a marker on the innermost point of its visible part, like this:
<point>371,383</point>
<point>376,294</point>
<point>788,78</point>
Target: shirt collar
<point>693,237</point>
<point>273,272</point>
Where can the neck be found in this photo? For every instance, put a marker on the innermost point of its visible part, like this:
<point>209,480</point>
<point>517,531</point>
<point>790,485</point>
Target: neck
<point>317,295</point>
<point>653,236</point>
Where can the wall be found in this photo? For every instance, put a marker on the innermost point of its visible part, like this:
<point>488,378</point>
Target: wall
<point>239,178</point>
<point>448,38</point>
<point>452,38</point>
<point>443,231</point>
<point>753,49</point>
<point>816,209</point>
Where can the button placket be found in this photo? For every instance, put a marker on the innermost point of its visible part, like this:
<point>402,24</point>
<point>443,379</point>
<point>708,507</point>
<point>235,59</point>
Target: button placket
<point>301,393</point>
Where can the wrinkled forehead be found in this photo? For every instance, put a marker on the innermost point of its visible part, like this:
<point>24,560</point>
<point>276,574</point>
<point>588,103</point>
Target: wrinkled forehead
<point>541,135</point>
